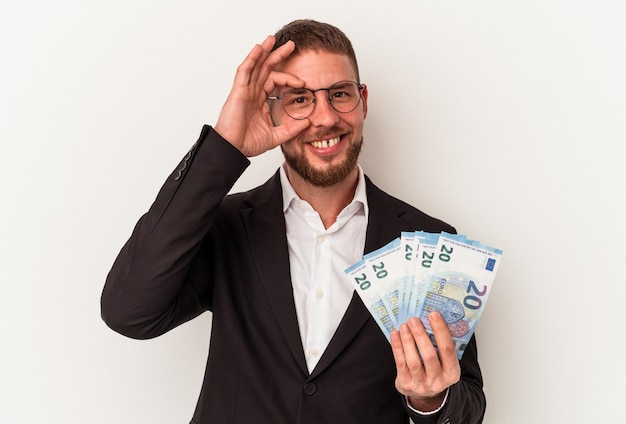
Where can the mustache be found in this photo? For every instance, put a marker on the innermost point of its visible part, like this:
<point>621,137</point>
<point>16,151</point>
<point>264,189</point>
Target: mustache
<point>322,134</point>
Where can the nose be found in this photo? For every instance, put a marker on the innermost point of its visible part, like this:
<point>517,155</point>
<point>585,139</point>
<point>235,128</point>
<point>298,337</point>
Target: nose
<point>323,115</point>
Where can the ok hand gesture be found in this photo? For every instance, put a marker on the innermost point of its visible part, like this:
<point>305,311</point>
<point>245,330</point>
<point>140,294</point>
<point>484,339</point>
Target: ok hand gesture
<point>245,119</point>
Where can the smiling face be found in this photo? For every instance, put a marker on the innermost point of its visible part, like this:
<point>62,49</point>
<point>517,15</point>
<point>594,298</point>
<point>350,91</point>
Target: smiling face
<point>325,153</point>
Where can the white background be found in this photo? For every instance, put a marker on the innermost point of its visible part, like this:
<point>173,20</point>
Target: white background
<point>505,118</point>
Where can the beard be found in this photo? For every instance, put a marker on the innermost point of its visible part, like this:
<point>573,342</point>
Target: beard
<point>328,177</point>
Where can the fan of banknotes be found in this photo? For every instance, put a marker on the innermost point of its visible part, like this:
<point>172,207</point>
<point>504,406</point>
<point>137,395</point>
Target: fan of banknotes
<point>420,272</point>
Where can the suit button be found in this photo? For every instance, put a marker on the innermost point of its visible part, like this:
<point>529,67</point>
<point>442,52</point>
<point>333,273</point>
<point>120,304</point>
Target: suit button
<point>309,389</point>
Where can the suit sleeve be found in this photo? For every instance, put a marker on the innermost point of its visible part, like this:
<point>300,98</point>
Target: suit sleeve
<point>149,290</point>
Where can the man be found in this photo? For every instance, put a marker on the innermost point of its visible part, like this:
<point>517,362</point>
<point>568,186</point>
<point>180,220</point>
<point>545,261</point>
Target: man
<point>291,342</point>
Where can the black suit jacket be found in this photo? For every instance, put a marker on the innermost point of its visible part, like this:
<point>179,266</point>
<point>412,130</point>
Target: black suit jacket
<point>198,249</point>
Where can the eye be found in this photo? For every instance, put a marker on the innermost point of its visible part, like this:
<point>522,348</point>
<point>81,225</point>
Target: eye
<point>297,98</point>
<point>341,96</point>
<point>343,92</point>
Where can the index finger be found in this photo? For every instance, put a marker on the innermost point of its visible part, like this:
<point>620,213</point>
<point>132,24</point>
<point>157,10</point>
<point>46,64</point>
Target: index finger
<point>274,58</point>
<point>251,68</point>
<point>276,79</point>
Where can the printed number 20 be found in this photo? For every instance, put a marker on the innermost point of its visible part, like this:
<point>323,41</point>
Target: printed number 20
<point>471,301</point>
<point>362,281</point>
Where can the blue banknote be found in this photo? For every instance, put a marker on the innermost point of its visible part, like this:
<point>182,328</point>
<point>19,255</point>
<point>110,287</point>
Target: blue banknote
<point>421,272</point>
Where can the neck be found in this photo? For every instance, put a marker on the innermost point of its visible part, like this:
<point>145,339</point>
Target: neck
<point>328,202</point>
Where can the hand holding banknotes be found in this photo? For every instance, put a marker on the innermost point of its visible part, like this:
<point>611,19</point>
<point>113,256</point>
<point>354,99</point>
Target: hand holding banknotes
<point>427,292</point>
<point>423,377</point>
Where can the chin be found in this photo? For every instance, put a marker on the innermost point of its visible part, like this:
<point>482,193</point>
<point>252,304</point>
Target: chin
<point>330,175</point>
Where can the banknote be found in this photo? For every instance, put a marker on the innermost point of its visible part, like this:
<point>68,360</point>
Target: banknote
<point>421,272</point>
<point>458,284</point>
<point>359,275</point>
<point>386,270</point>
<point>427,244</point>
<point>410,244</point>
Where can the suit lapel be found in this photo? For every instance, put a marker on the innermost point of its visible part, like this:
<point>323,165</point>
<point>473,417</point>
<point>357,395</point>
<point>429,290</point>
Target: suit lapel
<point>384,224</point>
<point>265,225</point>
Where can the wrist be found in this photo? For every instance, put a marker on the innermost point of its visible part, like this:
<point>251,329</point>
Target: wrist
<point>427,404</point>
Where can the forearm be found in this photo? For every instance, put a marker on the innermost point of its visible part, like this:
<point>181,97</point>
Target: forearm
<point>145,293</point>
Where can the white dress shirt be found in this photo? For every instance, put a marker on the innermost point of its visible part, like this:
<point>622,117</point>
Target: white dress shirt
<point>318,257</point>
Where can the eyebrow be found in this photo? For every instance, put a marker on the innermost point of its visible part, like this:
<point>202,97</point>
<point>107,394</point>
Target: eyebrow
<point>297,90</point>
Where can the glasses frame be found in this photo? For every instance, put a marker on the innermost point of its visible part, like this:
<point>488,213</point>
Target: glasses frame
<point>330,101</point>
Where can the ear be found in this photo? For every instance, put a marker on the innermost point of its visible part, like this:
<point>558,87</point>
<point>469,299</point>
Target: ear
<point>364,94</point>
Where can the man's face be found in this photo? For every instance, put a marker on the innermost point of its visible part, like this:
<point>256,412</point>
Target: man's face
<point>327,151</point>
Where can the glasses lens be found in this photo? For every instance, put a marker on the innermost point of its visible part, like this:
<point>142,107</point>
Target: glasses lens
<point>298,103</point>
<point>344,96</point>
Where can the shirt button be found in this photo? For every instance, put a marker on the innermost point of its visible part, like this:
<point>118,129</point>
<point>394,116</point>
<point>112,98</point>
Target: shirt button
<point>320,239</point>
<point>319,294</point>
<point>309,389</point>
<point>315,352</point>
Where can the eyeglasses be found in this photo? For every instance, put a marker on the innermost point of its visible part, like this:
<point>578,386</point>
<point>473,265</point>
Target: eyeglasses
<point>299,103</point>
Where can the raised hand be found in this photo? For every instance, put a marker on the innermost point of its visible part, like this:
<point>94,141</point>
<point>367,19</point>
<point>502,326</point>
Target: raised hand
<point>245,119</point>
<point>424,381</point>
